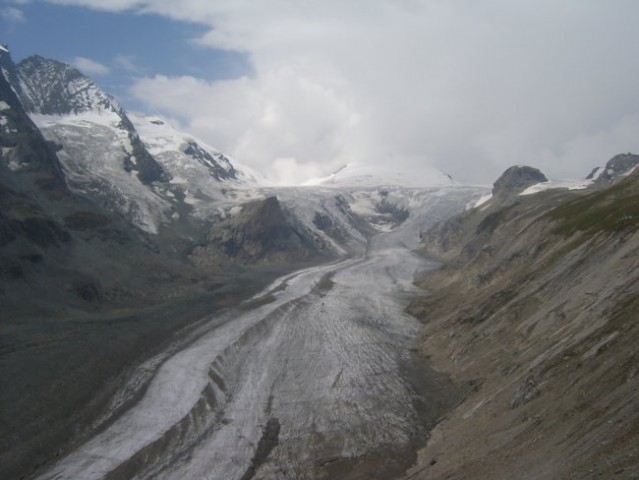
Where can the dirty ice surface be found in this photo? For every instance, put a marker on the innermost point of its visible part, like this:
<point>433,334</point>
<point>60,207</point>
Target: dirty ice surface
<point>275,387</point>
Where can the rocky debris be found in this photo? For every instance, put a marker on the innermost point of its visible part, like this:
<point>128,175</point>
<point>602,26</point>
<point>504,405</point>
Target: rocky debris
<point>525,393</point>
<point>548,284</point>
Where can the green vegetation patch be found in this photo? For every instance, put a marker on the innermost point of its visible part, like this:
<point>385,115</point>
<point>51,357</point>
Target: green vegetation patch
<point>494,219</point>
<point>614,209</point>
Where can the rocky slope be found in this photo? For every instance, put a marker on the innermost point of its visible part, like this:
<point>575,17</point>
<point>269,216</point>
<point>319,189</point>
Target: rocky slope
<point>534,312</point>
<point>139,167</point>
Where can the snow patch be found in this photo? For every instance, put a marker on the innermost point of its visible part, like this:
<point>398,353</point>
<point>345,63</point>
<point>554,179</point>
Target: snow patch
<point>105,118</point>
<point>234,211</point>
<point>556,184</point>
<point>4,106</point>
<point>95,148</point>
<point>482,200</point>
<point>167,143</point>
<point>14,165</point>
<point>629,172</point>
<point>597,172</point>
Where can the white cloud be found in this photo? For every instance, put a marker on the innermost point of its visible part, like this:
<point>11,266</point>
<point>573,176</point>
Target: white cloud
<point>471,87</point>
<point>90,67</point>
<point>107,5</point>
<point>12,14</point>
<point>127,62</point>
<point>285,125</point>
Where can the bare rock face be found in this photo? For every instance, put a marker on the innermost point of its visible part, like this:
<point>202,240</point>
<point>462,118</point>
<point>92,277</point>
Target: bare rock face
<point>516,179</point>
<point>260,233</point>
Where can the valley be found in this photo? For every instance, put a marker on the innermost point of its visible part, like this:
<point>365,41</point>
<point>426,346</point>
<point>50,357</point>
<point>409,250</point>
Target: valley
<point>170,313</point>
<point>315,375</point>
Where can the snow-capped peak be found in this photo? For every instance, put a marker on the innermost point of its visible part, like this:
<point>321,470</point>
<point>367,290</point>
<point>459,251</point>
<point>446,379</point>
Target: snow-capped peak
<point>50,87</point>
<point>173,147</point>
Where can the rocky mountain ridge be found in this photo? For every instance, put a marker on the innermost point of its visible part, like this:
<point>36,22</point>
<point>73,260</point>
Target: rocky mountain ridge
<point>534,312</point>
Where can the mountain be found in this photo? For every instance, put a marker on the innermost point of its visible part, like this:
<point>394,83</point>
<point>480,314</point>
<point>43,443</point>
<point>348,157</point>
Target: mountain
<point>516,179</point>
<point>100,260</point>
<point>534,313</point>
<point>617,167</point>
<point>153,179</point>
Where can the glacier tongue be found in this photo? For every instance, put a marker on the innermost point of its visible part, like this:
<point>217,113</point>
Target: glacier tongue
<point>324,361</point>
<point>314,377</point>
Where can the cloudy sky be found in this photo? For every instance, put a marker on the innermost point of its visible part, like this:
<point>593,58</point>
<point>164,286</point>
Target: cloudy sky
<point>297,88</point>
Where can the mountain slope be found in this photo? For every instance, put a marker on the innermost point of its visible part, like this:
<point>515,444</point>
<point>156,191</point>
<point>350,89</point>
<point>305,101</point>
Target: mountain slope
<point>87,289</point>
<point>158,178</point>
<point>535,312</point>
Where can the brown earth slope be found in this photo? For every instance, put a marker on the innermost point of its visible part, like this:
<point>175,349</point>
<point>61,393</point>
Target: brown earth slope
<point>536,311</point>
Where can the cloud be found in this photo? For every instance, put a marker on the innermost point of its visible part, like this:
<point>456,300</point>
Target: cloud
<point>286,126</point>
<point>90,67</point>
<point>12,15</point>
<point>470,87</point>
<point>106,5</point>
<point>127,62</point>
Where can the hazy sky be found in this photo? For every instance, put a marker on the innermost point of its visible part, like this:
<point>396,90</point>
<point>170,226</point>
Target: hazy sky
<point>297,88</point>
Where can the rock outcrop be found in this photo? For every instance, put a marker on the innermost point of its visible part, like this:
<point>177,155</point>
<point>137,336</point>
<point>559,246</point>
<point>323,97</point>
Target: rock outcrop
<point>516,179</point>
<point>259,233</point>
<point>617,167</point>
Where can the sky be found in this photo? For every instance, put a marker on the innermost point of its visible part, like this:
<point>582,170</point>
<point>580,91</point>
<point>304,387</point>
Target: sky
<point>298,88</point>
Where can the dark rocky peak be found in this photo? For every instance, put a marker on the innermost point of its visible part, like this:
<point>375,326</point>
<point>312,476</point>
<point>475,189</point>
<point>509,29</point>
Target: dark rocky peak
<point>618,166</point>
<point>23,150</point>
<point>5,57</point>
<point>51,87</point>
<point>8,69</point>
<point>263,216</point>
<point>8,93</point>
<point>218,165</point>
<point>516,179</point>
<point>261,232</point>
<point>141,161</point>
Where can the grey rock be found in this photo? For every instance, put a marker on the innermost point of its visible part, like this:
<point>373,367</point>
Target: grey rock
<point>516,179</point>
